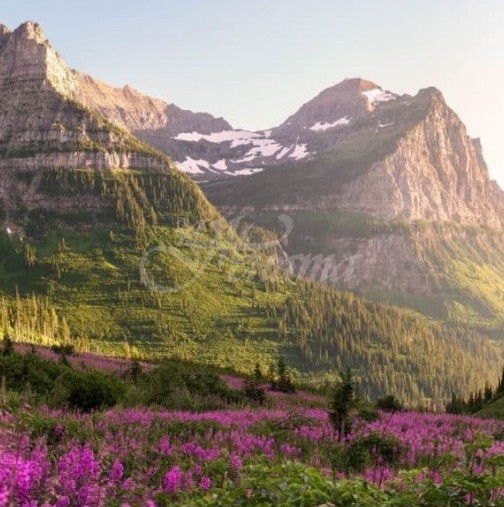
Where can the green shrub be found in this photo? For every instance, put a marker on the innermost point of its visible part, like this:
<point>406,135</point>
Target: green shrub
<point>90,391</point>
<point>389,403</point>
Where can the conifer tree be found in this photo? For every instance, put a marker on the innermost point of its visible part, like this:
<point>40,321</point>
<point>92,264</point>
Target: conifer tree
<point>284,382</point>
<point>500,387</point>
<point>488,393</point>
<point>343,401</point>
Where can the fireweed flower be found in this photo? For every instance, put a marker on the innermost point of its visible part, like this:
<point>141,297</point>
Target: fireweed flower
<point>117,471</point>
<point>173,479</point>
<point>4,496</point>
<point>236,463</point>
<point>71,472</point>
<point>205,483</point>
<point>165,446</point>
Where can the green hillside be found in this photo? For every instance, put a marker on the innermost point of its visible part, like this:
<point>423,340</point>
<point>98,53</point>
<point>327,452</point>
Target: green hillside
<point>494,410</point>
<point>120,290</point>
<point>137,262</point>
<point>463,265</point>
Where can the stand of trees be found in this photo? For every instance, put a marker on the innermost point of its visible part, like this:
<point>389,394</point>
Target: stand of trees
<point>476,400</point>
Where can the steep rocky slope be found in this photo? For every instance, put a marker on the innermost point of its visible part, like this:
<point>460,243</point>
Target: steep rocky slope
<point>409,158</point>
<point>50,140</point>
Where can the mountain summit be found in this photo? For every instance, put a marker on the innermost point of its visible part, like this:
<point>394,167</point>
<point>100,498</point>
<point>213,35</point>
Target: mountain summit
<point>49,139</point>
<point>337,105</point>
<point>27,54</point>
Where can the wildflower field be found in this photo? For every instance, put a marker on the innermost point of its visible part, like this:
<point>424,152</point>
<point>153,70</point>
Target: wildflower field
<point>284,453</point>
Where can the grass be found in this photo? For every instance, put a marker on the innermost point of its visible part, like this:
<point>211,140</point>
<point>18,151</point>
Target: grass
<point>89,288</point>
<point>494,410</point>
<point>97,287</point>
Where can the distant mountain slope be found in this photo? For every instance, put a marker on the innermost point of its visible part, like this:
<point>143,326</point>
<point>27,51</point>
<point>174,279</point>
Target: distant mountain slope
<point>400,201</point>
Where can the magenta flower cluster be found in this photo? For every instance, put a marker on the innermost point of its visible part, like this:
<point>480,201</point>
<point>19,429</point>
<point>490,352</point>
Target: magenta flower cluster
<point>134,457</point>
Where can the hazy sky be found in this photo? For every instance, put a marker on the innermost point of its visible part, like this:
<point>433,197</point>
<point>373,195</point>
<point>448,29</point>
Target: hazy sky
<point>255,62</point>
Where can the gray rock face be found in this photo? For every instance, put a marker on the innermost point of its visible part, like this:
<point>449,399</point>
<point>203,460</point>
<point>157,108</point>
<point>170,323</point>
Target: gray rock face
<point>41,125</point>
<point>314,128</point>
<point>436,173</point>
<point>44,129</point>
<point>351,99</point>
<point>409,158</point>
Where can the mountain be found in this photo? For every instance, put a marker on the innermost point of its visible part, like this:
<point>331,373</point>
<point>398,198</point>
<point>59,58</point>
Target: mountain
<point>48,138</point>
<point>105,244</point>
<point>220,151</point>
<point>396,203</point>
<point>396,158</point>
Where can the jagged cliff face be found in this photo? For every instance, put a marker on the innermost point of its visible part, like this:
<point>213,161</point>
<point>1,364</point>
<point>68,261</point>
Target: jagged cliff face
<point>407,158</point>
<point>66,158</point>
<point>36,83</point>
<point>27,56</point>
<point>436,173</point>
<point>42,127</point>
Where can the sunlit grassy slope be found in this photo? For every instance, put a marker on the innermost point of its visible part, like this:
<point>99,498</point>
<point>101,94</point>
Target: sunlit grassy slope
<point>212,299</point>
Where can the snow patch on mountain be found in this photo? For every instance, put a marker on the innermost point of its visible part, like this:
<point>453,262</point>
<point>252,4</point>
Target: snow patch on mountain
<point>236,137</point>
<point>283,152</point>
<point>299,152</point>
<point>191,166</point>
<point>378,95</point>
<point>319,126</point>
<point>261,148</point>
<point>245,172</point>
<point>221,165</point>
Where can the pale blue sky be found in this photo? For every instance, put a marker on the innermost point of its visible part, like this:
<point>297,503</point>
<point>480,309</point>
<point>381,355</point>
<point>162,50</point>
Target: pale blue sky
<point>255,62</point>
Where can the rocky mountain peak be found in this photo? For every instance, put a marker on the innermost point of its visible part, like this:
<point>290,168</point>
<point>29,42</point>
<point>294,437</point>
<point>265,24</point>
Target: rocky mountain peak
<point>30,30</point>
<point>4,30</point>
<point>357,83</point>
<point>27,54</point>
<point>337,105</point>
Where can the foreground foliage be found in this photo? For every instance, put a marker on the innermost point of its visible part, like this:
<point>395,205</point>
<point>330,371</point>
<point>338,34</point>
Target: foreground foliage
<point>285,453</point>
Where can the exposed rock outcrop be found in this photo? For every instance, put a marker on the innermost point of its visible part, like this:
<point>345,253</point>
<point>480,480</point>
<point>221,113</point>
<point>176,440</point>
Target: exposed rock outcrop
<point>42,126</point>
<point>436,173</point>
